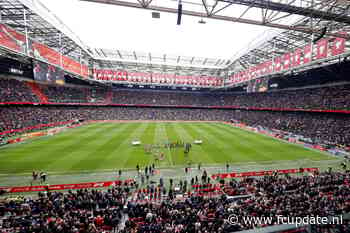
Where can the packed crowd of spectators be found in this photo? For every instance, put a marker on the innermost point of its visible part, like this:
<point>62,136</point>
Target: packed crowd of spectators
<point>82,211</point>
<point>324,195</point>
<point>334,128</point>
<point>331,98</point>
<point>324,98</point>
<point>163,98</point>
<point>64,94</point>
<point>13,90</point>
<point>317,126</point>
<point>97,95</point>
<point>21,117</point>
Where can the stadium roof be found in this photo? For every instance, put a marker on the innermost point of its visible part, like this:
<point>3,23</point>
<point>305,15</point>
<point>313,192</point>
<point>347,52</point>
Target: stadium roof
<point>129,35</point>
<point>41,25</point>
<point>221,46</point>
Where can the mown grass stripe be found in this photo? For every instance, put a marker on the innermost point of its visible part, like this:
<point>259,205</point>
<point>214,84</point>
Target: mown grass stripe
<point>102,146</point>
<point>162,137</point>
<point>239,147</point>
<point>190,132</point>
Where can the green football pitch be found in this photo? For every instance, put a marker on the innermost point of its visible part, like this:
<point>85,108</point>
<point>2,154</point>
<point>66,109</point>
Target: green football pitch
<point>106,146</point>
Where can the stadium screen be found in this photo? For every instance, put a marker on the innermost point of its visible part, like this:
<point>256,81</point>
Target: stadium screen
<point>258,85</point>
<point>47,73</point>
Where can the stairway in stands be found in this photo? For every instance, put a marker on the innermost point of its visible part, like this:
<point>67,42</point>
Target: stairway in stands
<point>88,95</point>
<point>109,97</point>
<point>38,92</point>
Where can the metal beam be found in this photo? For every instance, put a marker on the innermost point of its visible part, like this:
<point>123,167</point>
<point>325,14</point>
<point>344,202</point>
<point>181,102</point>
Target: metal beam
<point>192,59</point>
<point>219,17</point>
<point>287,8</point>
<point>119,54</point>
<point>68,51</point>
<point>104,54</point>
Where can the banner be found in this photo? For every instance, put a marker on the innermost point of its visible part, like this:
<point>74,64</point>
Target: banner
<point>286,61</point>
<point>322,49</point>
<point>13,141</point>
<point>338,46</point>
<point>70,65</point>
<point>12,40</point>
<point>269,67</point>
<point>262,173</point>
<point>84,70</point>
<point>44,53</point>
<point>296,61</point>
<point>157,78</point>
<point>277,64</point>
<point>42,188</point>
<point>307,54</point>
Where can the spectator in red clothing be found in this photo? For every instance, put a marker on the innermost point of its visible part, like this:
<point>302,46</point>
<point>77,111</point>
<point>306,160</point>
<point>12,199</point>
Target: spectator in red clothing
<point>99,220</point>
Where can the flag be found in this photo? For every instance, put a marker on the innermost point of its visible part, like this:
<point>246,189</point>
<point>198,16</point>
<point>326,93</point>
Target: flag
<point>338,46</point>
<point>277,64</point>
<point>269,67</point>
<point>307,54</point>
<point>286,61</point>
<point>322,49</point>
<point>296,57</point>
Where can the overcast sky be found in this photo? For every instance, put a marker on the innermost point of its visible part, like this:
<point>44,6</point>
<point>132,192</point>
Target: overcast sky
<point>107,26</point>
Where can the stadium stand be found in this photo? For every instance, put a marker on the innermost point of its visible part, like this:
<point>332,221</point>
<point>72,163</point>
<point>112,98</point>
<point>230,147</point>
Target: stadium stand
<point>35,87</point>
<point>322,127</point>
<point>271,196</point>
<point>329,127</point>
<point>322,194</point>
<point>290,85</point>
<point>64,94</point>
<point>325,98</point>
<point>81,211</point>
<point>13,90</point>
<point>320,98</point>
<point>98,95</point>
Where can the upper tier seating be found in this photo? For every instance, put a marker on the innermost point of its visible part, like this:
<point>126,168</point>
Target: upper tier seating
<point>64,94</point>
<point>13,90</point>
<point>322,98</point>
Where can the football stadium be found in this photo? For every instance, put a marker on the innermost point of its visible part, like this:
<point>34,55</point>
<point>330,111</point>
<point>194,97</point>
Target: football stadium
<point>174,116</point>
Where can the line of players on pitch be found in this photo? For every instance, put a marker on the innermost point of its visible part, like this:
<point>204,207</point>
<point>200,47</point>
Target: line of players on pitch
<point>167,145</point>
<point>154,148</point>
